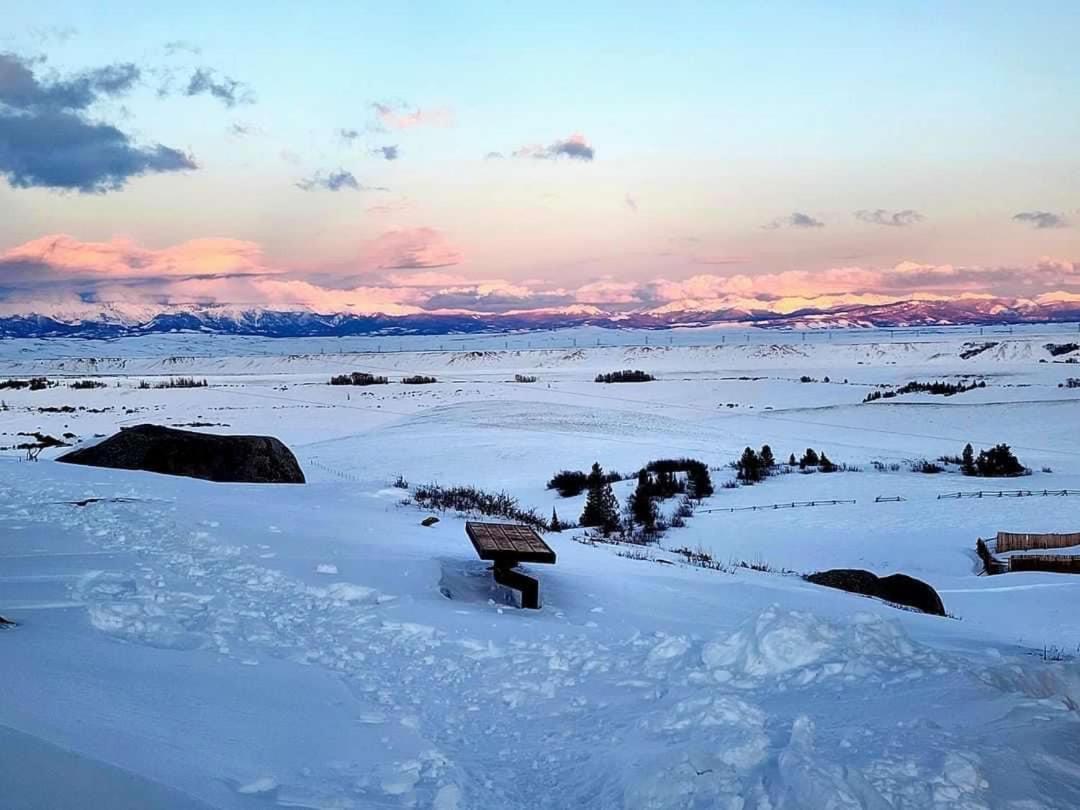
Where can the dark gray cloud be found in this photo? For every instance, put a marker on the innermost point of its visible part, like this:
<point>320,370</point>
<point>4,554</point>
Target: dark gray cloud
<point>348,135</point>
<point>387,152</point>
<point>21,89</point>
<point>1041,219</point>
<point>62,150</point>
<point>227,90</point>
<point>578,150</point>
<point>335,181</point>
<point>895,219</point>
<point>794,220</point>
<point>575,147</point>
<point>47,141</point>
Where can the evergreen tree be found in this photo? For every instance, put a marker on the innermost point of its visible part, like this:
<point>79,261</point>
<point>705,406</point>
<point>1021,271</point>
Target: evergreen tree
<point>699,483</point>
<point>791,460</point>
<point>809,459</point>
<point>749,468</point>
<point>641,507</point>
<point>824,464</point>
<point>767,459</point>
<point>998,462</point>
<point>601,508</point>
<point>967,460</point>
<point>555,525</point>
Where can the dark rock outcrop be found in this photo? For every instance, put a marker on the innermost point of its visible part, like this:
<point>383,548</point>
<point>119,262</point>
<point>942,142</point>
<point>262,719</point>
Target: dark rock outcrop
<point>154,448</point>
<point>897,588</point>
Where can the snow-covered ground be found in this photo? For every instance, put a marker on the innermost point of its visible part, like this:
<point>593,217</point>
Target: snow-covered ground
<point>190,644</point>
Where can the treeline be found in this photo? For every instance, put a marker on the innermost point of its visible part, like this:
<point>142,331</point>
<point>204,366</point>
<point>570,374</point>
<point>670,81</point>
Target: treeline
<point>34,384</point>
<point>363,378</point>
<point>945,389</point>
<point>358,378</point>
<point>174,382</point>
<point>625,376</point>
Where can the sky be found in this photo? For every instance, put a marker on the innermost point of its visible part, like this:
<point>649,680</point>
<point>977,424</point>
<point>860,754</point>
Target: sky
<point>500,157</point>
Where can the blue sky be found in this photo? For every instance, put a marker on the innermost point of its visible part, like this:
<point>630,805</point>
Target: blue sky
<point>710,127</point>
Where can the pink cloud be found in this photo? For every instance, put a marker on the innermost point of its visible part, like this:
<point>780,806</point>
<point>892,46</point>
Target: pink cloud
<point>398,116</point>
<point>410,249</point>
<point>120,257</point>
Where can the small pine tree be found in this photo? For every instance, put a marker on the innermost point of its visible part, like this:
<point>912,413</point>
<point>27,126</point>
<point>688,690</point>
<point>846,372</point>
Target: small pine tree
<point>824,464</point>
<point>699,483</point>
<point>791,460</point>
<point>601,508</point>
<point>967,460</point>
<point>767,459</point>
<point>555,525</point>
<point>809,459</point>
<point>641,507</point>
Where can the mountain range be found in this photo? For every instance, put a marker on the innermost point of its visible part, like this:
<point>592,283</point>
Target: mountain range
<point>110,322</point>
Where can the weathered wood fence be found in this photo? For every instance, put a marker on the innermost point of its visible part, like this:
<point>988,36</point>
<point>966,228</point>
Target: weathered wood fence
<point>1024,541</point>
<point>1011,493</point>
<point>1005,542</point>
<point>763,507</point>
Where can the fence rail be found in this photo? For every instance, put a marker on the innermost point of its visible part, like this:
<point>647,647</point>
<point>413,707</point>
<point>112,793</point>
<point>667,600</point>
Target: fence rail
<point>889,499</point>
<point>764,507</point>
<point>1024,541</point>
<point>1010,493</point>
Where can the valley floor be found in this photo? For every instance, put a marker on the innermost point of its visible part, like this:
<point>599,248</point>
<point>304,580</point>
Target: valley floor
<point>184,644</point>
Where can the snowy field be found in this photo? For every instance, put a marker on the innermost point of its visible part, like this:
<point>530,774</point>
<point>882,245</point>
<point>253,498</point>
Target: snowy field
<point>185,644</point>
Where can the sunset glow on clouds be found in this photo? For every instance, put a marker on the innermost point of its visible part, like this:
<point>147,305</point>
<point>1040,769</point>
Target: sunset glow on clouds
<point>414,271</point>
<point>540,168</point>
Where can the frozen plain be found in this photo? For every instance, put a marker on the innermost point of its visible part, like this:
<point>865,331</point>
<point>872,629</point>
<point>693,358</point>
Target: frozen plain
<point>192,644</point>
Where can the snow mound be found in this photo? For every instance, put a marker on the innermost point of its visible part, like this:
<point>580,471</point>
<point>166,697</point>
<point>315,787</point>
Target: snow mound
<point>799,648</point>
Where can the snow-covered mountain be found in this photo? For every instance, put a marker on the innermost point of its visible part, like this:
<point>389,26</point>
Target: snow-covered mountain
<point>112,322</point>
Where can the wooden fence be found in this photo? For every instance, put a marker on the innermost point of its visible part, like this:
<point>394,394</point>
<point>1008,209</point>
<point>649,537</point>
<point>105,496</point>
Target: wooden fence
<point>1011,493</point>
<point>764,507</point>
<point>1059,563</point>
<point>1024,541</point>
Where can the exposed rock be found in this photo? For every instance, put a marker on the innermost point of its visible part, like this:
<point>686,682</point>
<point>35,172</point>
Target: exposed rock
<point>5,623</point>
<point>154,448</point>
<point>897,588</point>
<point>429,521</point>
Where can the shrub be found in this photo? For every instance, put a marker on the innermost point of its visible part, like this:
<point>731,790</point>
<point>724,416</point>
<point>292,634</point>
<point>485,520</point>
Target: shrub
<point>928,467</point>
<point>471,499</point>
<point>418,379</point>
<point>524,378</point>
<point>358,378</point>
<point>82,385</point>
<point>1071,382</point>
<point>625,376</point>
<point>1057,349</point>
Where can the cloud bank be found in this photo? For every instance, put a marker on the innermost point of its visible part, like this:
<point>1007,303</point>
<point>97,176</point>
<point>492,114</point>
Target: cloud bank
<point>417,270</point>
